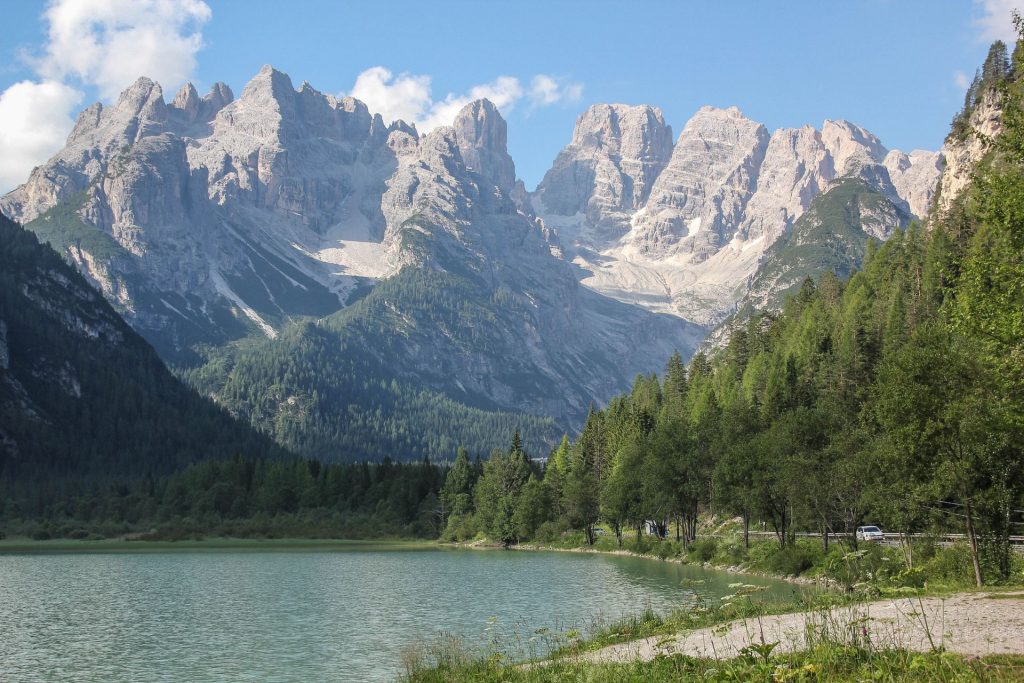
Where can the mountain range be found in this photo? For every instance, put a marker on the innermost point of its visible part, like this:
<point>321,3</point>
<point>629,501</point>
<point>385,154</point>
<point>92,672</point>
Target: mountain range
<point>358,289</point>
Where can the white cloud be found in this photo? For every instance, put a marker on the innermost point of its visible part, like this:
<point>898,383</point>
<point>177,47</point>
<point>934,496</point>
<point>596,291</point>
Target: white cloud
<point>405,97</point>
<point>35,119</point>
<point>408,97</point>
<point>110,43</point>
<point>105,44</point>
<point>504,92</point>
<point>994,22</point>
<point>545,90</point>
<point>961,80</point>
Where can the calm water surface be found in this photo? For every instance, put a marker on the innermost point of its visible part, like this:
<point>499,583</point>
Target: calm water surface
<point>343,615</point>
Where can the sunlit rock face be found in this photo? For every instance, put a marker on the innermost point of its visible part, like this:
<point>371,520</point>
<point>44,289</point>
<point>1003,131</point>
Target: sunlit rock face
<point>210,219</point>
<point>691,241</point>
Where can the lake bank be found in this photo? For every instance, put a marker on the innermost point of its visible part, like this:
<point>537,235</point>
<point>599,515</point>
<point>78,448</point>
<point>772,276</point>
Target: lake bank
<point>136,545</point>
<point>822,582</point>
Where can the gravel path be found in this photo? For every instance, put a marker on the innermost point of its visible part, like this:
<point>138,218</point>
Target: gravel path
<point>966,623</point>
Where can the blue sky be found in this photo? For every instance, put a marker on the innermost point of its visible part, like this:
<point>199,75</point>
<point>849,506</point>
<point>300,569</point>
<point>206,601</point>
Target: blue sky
<point>890,66</point>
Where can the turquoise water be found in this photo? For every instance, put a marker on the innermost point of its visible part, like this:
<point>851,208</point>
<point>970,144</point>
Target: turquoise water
<point>341,615</point>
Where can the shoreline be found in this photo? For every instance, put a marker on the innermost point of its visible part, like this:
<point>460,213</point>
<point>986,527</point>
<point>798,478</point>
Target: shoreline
<point>737,570</point>
<point>135,545</point>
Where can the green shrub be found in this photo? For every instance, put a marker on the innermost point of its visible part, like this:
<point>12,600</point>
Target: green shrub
<point>703,550</point>
<point>951,566</point>
<point>731,551</point>
<point>460,528</point>
<point>548,532</point>
<point>792,560</point>
<point>666,549</point>
<point>644,546</point>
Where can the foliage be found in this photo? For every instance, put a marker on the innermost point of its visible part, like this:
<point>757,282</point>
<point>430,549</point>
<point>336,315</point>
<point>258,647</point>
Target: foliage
<point>894,398</point>
<point>331,389</point>
<point>237,498</point>
<point>82,395</point>
<point>826,663</point>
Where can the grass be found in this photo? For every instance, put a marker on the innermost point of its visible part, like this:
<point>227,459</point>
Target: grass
<point>880,568</point>
<point>743,603</point>
<point>833,646</point>
<point>835,653</point>
<point>824,663</point>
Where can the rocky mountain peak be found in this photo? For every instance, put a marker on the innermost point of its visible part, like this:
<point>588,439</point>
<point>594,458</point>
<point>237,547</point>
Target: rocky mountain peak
<point>632,131</point>
<point>914,176</point>
<point>194,109</point>
<point>796,167</point>
<point>268,86</point>
<point>851,146</point>
<point>187,101</point>
<point>140,111</point>
<point>220,95</point>
<point>482,136</point>
<point>608,170</point>
<point>697,202</point>
<point>144,95</point>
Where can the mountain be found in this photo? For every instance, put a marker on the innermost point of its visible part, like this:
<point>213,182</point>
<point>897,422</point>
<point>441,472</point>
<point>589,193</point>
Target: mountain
<point>832,235</point>
<point>351,287</point>
<point>682,229</point>
<point>233,233</point>
<point>81,394</point>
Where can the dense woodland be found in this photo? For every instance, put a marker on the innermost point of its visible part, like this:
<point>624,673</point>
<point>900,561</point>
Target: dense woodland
<point>235,497</point>
<point>329,389</point>
<point>895,398</point>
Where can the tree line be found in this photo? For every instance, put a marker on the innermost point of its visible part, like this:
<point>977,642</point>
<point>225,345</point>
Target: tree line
<point>236,497</point>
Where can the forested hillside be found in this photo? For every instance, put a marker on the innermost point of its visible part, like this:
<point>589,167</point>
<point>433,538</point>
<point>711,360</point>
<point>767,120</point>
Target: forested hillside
<point>832,236</point>
<point>333,390</point>
<point>896,398</point>
<point>81,394</point>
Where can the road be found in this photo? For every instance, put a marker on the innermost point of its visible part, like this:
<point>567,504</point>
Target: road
<point>894,539</point>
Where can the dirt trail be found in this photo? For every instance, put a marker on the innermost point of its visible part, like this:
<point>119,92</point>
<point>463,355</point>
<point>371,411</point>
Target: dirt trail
<point>966,623</point>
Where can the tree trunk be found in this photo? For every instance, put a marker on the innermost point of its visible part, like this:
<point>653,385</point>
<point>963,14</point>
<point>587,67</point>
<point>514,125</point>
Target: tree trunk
<point>746,530</point>
<point>679,524</point>
<point>973,540</point>
<point>590,534</point>
<point>908,550</point>
<point>639,530</point>
<point>780,530</point>
<point>825,539</point>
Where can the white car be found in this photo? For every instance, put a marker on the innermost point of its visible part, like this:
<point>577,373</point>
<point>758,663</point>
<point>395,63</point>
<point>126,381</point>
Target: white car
<point>870,533</point>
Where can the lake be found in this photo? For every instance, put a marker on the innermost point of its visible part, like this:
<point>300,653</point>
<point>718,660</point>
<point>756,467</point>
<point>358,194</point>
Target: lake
<point>343,613</point>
